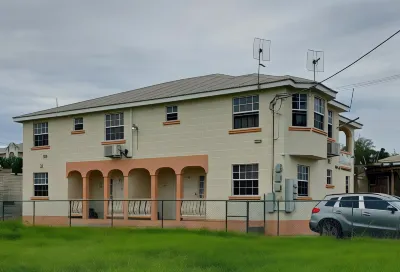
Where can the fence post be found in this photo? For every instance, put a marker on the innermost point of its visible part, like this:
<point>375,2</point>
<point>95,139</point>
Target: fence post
<point>3,210</point>
<point>70,212</point>
<point>226,215</point>
<point>264,215</point>
<point>247,216</point>
<point>352,218</point>
<point>277,230</point>
<point>33,219</point>
<point>162,214</point>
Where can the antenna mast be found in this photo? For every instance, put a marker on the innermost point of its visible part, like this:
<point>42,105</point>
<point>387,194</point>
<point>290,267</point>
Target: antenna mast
<point>261,52</point>
<point>315,61</point>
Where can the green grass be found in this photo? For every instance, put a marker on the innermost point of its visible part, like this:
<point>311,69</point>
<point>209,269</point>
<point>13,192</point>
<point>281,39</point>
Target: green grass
<point>26,249</point>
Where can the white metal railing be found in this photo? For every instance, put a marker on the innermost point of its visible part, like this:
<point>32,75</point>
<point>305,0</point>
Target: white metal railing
<point>139,207</point>
<point>346,159</point>
<point>115,207</point>
<point>193,208</point>
<point>76,207</point>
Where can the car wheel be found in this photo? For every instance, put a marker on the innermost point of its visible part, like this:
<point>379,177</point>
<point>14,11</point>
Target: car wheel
<point>330,228</point>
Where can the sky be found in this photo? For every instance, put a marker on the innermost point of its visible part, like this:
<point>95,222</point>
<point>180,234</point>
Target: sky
<point>76,50</point>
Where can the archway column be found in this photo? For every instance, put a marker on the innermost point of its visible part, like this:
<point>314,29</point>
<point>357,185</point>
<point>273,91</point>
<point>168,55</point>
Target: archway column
<point>154,196</point>
<point>85,197</point>
<point>179,195</point>
<point>126,196</point>
<point>106,190</point>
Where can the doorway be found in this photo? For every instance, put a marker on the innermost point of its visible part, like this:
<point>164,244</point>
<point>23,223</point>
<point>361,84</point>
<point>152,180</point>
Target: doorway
<point>167,192</point>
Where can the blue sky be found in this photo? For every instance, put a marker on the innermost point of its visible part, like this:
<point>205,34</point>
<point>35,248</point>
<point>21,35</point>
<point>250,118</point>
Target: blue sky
<point>75,50</point>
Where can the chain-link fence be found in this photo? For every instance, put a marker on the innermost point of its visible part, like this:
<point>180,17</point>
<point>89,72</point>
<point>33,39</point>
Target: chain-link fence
<point>335,216</point>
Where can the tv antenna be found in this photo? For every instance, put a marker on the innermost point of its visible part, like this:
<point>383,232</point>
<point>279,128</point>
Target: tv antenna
<point>315,61</point>
<point>261,52</point>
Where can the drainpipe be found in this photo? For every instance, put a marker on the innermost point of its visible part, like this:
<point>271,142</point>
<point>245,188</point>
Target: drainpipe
<point>273,148</point>
<point>131,112</point>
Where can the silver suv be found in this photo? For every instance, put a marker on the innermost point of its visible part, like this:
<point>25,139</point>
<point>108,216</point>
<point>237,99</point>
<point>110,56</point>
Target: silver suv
<point>369,214</point>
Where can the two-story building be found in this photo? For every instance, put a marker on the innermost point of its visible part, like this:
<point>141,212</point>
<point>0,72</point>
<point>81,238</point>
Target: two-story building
<point>212,137</point>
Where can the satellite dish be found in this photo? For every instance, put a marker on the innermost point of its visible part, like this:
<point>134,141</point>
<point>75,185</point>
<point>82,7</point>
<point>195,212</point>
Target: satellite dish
<point>261,52</point>
<point>315,61</point>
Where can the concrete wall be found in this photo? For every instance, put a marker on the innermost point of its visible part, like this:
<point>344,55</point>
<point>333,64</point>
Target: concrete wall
<point>10,190</point>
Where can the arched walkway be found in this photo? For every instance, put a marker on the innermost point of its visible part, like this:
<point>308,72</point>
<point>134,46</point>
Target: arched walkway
<point>75,193</point>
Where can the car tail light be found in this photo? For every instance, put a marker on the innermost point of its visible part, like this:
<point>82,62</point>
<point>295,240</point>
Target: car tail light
<point>316,210</point>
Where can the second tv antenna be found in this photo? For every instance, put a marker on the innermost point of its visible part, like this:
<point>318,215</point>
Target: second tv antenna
<point>315,61</point>
<point>261,52</point>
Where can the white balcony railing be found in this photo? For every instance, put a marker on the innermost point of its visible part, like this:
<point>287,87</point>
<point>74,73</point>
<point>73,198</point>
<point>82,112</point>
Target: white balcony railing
<point>346,159</point>
<point>193,208</point>
<point>76,207</point>
<point>139,208</point>
<point>115,207</point>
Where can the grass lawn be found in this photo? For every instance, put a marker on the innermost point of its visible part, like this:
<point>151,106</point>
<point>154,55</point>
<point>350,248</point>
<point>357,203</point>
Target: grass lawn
<point>26,249</point>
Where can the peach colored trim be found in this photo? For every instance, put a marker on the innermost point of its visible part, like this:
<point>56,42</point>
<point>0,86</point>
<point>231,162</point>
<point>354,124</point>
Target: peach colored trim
<point>244,197</point>
<point>140,216</point>
<point>304,198</point>
<point>330,186</point>
<point>40,147</point>
<point>299,129</point>
<point>85,195</point>
<point>319,131</point>
<point>154,196</point>
<point>126,196</point>
<point>345,152</point>
<point>77,132</point>
<point>175,122</point>
<point>331,140</point>
<point>244,130</point>
<point>39,198</point>
<point>106,194</point>
<point>113,142</point>
<point>179,195</point>
<point>345,168</point>
<point>150,164</point>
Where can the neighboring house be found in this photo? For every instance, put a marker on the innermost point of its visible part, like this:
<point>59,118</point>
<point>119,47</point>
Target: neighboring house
<point>10,195</point>
<point>383,176</point>
<point>207,137</point>
<point>12,150</point>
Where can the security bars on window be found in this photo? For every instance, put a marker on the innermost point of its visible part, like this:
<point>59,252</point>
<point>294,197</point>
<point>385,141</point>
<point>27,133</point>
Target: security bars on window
<point>201,187</point>
<point>303,179</point>
<point>299,110</point>
<point>40,184</point>
<point>41,134</point>
<point>245,179</point>
<point>114,126</point>
<point>172,113</point>
<point>329,176</point>
<point>78,124</point>
<point>246,112</point>
<point>330,124</point>
<point>319,112</point>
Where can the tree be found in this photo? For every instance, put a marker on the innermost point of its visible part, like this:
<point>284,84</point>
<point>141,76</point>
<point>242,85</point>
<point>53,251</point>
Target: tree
<point>17,166</point>
<point>365,153</point>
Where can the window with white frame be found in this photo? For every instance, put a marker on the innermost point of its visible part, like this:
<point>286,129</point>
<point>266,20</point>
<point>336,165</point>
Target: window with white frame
<point>172,113</point>
<point>299,110</point>
<point>114,126</point>
<point>319,113</point>
<point>78,123</point>
<point>201,186</point>
<point>347,184</point>
<point>40,184</point>
<point>330,124</point>
<point>246,112</point>
<point>329,176</point>
<point>245,179</point>
<point>41,134</point>
<point>303,178</point>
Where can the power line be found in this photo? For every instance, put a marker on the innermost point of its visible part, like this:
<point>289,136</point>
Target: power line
<point>280,96</point>
<point>369,82</point>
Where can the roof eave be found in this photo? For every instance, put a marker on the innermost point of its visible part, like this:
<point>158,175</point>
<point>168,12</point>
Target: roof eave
<point>354,125</point>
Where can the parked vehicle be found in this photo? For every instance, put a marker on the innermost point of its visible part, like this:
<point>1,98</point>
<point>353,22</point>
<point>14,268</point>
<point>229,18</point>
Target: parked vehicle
<point>370,214</point>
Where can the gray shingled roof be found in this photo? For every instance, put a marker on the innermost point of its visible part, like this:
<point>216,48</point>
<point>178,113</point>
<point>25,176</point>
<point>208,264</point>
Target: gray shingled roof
<point>175,88</point>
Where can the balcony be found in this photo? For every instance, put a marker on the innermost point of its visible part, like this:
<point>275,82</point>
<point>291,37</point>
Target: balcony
<point>306,142</point>
<point>346,161</point>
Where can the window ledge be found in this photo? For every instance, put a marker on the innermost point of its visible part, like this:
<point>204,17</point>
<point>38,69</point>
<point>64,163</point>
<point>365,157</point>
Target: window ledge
<point>329,186</point>
<point>346,168</point>
<point>304,198</point>
<point>40,147</point>
<point>77,132</point>
<point>316,130</point>
<point>244,197</point>
<point>40,198</point>
<point>244,130</point>
<point>168,123</point>
<point>345,152</point>
<point>299,129</point>
<point>113,142</point>
<point>331,140</point>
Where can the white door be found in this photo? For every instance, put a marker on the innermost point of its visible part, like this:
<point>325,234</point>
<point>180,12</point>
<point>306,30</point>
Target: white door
<point>166,192</point>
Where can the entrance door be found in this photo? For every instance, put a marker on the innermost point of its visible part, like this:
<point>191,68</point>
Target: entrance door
<point>166,192</point>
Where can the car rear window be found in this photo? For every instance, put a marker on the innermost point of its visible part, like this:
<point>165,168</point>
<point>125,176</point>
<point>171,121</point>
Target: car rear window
<point>331,202</point>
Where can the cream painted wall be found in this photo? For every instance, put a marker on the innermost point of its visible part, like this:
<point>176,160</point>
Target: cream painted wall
<point>75,189</point>
<point>139,184</point>
<point>204,128</point>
